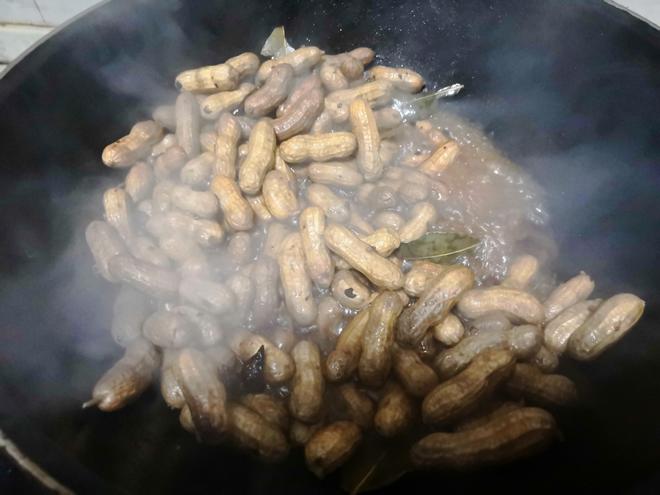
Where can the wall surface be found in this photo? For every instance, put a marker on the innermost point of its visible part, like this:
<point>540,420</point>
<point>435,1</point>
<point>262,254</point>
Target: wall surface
<point>24,22</point>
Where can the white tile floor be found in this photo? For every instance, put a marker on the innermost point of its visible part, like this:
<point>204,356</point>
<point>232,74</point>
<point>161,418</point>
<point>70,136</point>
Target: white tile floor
<point>24,22</point>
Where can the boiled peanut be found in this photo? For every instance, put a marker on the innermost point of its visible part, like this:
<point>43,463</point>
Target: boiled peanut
<point>223,358</point>
<point>329,319</point>
<point>524,341</point>
<point>254,433</point>
<point>611,321</point>
<point>331,446</point>
<point>279,195</point>
<point>243,288</point>
<point>116,204</point>
<point>185,419</point>
<point>239,248</point>
<point>200,203</point>
<point>358,222</point>
<point>234,206</point>
<point>385,241</point>
<point>195,267</point>
<point>521,272</point>
<point>308,384</point>
<point>449,331</point>
<point>432,134</point>
<point>207,140</point>
<point>573,291</point>
<point>344,360</point>
<point>144,249</point>
<point>380,271</point>
<point>150,279</point>
<point>440,159</point>
<point>104,243</point>
<point>169,386</point>
<point>496,321</point>
<point>300,90</point>
<point>462,393</point>
<point>164,115</point>
<point>349,290</point>
<point>226,145</point>
<point>245,64</point>
<point>213,297</point>
<point>296,283</point>
<point>421,215</point>
<point>363,124</point>
<point>364,54</point>
<point>265,276</point>
<point>355,405</point>
<point>136,145</point>
<point>415,159</point>
<point>187,124</point>
<point>301,60</point>
<point>395,412</point>
<point>259,208</point>
<point>374,93</point>
<point>127,379</point>
<point>416,377</point>
<point>208,79</point>
<point>169,162</point>
<point>388,219</point>
<point>517,305</point>
<point>378,339</point>
<point>519,433</point>
<point>545,360</point>
<point>487,413</point>
<point>332,77</point>
<point>167,329</point>
<point>387,118</point>
<point>269,408</point>
<point>206,233</point>
<point>536,387</point>
<point>382,197</point>
<point>208,330</point>
<point>300,115</point>
<point>317,258</point>
<point>405,80</point>
<point>318,147</point>
<point>334,207</point>
<point>558,330</point>
<point>278,365</point>
<point>196,172</point>
<point>273,92</point>
<point>260,158</point>
<point>226,101</point>
<point>341,174</point>
<point>300,433</point>
<point>434,304</point>
<point>168,141</point>
<point>284,338</point>
<point>129,311</point>
<point>139,181</point>
<point>275,234</point>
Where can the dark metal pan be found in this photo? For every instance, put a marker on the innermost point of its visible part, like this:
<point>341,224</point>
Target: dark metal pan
<point>570,90</point>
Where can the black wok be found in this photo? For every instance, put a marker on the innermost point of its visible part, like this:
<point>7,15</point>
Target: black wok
<point>570,90</point>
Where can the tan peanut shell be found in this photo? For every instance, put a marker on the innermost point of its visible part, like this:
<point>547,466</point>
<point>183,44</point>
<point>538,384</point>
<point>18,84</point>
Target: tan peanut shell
<point>259,208</point>
<point>516,434</point>
<point>487,413</point>
<point>129,311</point>
<point>208,79</point>
<point>421,215</point>
<point>136,145</point>
<point>239,248</point>
<point>521,272</point>
<point>395,413</point>
<point>296,284</point>
<point>387,118</point>
<point>188,124</point>
<point>440,159</point>
<point>558,330</point>
<point>349,290</point>
<point>300,433</point>
<point>405,80</point>
<point>308,384</point>
<point>411,193</point>
<point>273,92</point>
<point>380,271</point>
<point>104,243</point>
<point>226,146</point>
<point>355,405</point>
<point>449,331</point>
<point>144,249</point>
<point>385,241</point>
<point>358,222</point>
<point>199,203</point>
<point>577,289</point>
<point>538,388</point>
<point>168,329</point>
<point>317,257</point>
<point>150,279</point>
<point>378,339</point>
<point>318,147</point>
<point>234,206</point>
<point>332,76</point>
<point>250,431</point>
<point>260,158</point>
<point>168,163</point>
<point>197,172</point>
<point>169,386</point>
<point>139,181</point>
<point>278,365</point>
<point>545,360</point>
<point>269,408</point>
<point>364,54</point>
<point>243,288</point>
<point>341,174</point>
<point>524,341</point>
<point>128,378</point>
<point>459,395</point>
<point>331,446</point>
<point>434,304</point>
<point>226,101</point>
<point>344,359</point>
<point>213,297</point>
<point>164,115</point>
<point>329,320</point>
<point>245,64</point>
<point>611,321</point>
<point>204,393</point>
<point>417,377</point>
<point>388,219</point>
<point>336,209</point>
<point>300,115</point>
<point>116,204</point>
<point>517,305</point>
<point>207,233</point>
<point>363,124</point>
<point>265,275</point>
<point>374,93</point>
<point>301,89</point>
<point>301,60</point>
<point>495,321</point>
<point>280,196</point>
<point>207,329</point>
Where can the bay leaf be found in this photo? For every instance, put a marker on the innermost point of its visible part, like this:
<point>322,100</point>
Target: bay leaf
<point>437,247</point>
<point>422,106</point>
<point>378,462</point>
<point>276,44</point>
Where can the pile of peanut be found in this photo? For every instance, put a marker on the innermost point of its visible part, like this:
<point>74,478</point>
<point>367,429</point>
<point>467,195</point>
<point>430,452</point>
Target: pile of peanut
<point>261,214</point>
